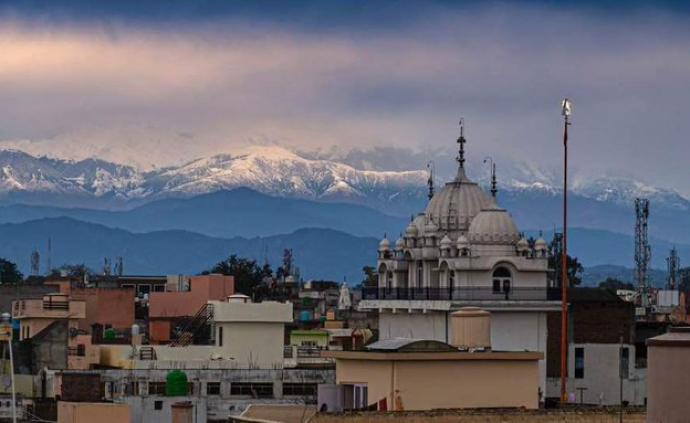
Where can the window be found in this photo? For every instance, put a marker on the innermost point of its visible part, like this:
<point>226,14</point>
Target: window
<point>213,388</point>
<point>420,275</point>
<point>158,405</point>
<point>300,389</point>
<point>579,363</point>
<point>220,336</point>
<point>501,280</point>
<point>156,388</point>
<point>158,288</point>
<point>254,390</point>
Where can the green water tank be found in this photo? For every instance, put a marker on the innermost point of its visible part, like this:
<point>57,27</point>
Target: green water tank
<point>176,384</point>
<point>109,334</point>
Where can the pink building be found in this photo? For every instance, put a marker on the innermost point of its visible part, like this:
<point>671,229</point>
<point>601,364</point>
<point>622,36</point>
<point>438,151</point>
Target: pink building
<point>165,307</point>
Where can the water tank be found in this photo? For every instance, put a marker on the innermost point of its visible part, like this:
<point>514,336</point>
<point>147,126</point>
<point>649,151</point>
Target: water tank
<point>471,328</point>
<point>176,384</point>
<point>135,330</point>
<point>109,334</point>
<point>238,298</point>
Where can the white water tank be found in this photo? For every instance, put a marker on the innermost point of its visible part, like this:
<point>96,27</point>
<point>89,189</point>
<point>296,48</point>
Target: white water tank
<point>135,330</point>
<point>471,329</point>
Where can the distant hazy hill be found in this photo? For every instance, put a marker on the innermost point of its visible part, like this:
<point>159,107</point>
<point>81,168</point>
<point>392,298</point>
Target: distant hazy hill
<point>595,274</point>
<point>319,253</point>
<point>529,192</point>
<point>239,212</point>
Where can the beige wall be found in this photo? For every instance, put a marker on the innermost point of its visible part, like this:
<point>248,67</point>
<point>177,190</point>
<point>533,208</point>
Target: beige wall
<point>87,412</point>
<point>667,384</point>
<point>252,345</point>
<point>424,385</point>
<point>484,416</point>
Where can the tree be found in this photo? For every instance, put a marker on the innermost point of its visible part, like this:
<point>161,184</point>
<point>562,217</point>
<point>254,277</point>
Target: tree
<point>371,279</point>
<point>614,284</point>
<point>9,273</point>
<point>574,270</point>
<point>248,275</point>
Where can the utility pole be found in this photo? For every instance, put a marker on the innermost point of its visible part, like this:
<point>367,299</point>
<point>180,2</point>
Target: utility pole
<point>566,111</point>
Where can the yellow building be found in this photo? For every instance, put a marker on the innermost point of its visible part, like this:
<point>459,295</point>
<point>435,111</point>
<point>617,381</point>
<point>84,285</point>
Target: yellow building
<point>411,374</point>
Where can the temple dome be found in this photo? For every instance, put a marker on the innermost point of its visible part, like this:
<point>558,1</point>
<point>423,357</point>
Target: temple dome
<point>493,225</point>
<point>457,203</point>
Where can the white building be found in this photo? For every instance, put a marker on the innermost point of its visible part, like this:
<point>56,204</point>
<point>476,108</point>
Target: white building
<point>464,250</point>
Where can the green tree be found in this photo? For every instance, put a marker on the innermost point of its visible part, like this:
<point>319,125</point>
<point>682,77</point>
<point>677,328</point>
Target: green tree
<point>248,275</point>
<point>9,273</point>
<point>371,278</point>
<point>614,284</point>
<point>574,269</point>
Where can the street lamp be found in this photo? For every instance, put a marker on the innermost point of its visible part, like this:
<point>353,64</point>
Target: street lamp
<point>566,111</point>
<point>6,335</point>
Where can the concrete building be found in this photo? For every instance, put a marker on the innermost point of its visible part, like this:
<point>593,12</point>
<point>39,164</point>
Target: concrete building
<point>251,334</point>
<point>669,363</point>
<point>464,250</point>
<point>408,374</point>
<point>601,350</point>
<point>181,301</point>
<point>36,314</point>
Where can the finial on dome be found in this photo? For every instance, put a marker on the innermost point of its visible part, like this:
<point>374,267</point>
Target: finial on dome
<point>494,190</point>
<point>461,141</point>
<point>430,181</point>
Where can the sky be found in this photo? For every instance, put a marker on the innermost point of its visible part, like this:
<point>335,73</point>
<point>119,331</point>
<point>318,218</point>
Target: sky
<point>161,82</point>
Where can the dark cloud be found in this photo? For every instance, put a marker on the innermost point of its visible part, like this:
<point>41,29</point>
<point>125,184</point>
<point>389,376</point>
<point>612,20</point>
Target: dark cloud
<point>351,74</point>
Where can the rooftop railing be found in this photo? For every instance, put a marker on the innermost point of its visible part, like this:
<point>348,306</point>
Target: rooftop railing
<point>463,294</point>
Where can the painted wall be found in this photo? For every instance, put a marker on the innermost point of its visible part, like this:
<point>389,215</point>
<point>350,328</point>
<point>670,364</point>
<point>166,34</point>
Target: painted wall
<point>252,345</point>
<point>113,307</point>
<point>430,325</point>
<point>426,385</point>
<point>667,383</point>
<point>86,412</point>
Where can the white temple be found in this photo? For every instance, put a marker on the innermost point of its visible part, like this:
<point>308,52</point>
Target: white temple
<point>464,249</point>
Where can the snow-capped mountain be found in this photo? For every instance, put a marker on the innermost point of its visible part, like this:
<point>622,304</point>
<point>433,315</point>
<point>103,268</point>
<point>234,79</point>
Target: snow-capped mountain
<point>278,171</point>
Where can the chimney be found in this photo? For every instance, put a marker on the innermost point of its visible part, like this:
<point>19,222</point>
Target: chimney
<point>471,329</point>
<point>182,412</point>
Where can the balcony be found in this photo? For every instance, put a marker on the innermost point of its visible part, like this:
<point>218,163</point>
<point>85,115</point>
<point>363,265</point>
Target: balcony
<point>49,307</point>
<point>463,294</point>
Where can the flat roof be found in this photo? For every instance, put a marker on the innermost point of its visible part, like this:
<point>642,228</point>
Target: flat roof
<point>434,356</point>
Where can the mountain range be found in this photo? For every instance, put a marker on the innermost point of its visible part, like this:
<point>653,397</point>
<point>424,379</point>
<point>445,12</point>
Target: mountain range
<point>242,201</point>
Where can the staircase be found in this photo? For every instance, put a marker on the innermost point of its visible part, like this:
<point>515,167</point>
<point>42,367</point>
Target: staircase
<point>194,326</point>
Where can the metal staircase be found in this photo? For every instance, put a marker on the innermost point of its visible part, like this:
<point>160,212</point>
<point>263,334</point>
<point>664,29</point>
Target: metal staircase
<point>201,321</point>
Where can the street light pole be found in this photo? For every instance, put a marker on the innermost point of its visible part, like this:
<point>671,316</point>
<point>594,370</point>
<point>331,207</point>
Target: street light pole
<point>566,110</point>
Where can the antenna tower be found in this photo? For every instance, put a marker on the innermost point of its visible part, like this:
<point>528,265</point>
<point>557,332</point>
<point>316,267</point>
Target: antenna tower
<point>673,267</point>
<point>643,252</point>
<point>35,263</point>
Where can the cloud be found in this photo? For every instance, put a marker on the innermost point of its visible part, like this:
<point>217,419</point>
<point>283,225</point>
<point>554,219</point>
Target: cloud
<point>76,88</point>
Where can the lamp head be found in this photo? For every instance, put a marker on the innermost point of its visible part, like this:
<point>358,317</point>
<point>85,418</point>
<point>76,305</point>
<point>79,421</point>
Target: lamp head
<point>566,107</point>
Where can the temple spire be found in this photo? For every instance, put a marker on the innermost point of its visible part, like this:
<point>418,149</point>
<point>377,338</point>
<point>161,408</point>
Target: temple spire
<point>494,190</point>
<point>461,142</point>
<point>430,181</point>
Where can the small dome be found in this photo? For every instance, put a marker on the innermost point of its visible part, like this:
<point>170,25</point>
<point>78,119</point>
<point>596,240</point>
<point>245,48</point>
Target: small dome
<point>384,244</point>
<point>399,244</point>
<point>430,228</point>
<point>493,225</point>
<point>463,242</point>
<point>522,245</point>
<point>411,230</point>
<point>446,243</point>
<point>540,244</point>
